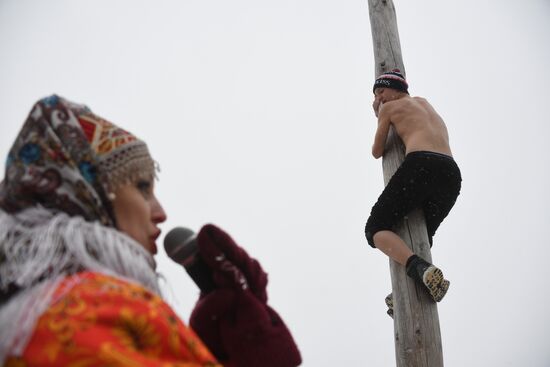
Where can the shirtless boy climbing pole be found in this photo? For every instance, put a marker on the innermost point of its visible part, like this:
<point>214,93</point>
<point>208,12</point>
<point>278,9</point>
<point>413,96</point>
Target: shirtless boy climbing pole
<point>428,178</point>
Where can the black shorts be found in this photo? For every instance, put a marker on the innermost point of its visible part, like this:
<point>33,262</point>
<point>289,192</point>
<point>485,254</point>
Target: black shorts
<point>426,180</point>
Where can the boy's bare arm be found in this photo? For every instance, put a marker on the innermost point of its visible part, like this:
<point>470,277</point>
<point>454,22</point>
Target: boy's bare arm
<point>381,131</point>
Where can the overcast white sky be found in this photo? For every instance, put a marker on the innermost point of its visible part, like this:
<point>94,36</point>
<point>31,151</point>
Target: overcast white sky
<point>259,114</point>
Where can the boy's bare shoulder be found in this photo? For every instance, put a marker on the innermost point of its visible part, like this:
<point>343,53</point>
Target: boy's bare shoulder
<point>419,100</point>
<point>413,103</point>
<point>398,104</point>
<point>392,105</point>
<point>405,105</point>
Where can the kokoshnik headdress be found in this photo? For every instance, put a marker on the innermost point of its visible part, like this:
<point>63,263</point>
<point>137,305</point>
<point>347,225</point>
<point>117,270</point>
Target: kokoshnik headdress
<point>68,159</point>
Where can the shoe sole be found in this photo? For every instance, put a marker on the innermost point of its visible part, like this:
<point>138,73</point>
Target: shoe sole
<point>389,302</point>
<point>435,283</point>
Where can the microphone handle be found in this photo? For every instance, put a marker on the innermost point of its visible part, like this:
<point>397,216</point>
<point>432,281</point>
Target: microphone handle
<point>201,274</point>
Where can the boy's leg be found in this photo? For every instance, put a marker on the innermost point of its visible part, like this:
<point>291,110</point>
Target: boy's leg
<point>417,268</point>
<point>392,245</point>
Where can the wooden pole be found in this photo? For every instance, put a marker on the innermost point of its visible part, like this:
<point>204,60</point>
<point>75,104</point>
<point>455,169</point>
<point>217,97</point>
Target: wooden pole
<point>416,322</point>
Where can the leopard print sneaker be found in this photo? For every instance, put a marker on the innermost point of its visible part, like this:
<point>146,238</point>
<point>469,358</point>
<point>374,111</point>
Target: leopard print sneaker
<point>436,285</point>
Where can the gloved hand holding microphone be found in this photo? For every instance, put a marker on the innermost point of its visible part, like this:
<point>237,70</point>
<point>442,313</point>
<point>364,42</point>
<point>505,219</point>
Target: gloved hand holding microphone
<point>232,316</point>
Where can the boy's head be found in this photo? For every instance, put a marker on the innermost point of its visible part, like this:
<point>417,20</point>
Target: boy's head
<point>391,79</point>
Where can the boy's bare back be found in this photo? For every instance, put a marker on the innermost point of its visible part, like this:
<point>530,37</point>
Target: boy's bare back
<point>415,121</point>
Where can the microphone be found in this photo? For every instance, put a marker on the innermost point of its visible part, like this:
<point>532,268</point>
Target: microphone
<point>181,246</point>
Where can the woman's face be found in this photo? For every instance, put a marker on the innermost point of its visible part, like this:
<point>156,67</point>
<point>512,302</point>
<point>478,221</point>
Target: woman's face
<point>137,212</point>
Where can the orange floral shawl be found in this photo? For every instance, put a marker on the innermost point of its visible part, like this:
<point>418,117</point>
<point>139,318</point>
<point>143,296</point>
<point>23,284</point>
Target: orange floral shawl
<point>98,320</point>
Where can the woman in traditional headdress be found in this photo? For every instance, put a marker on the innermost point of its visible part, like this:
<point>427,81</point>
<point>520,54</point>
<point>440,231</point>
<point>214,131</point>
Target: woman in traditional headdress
<point>78,285</point>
